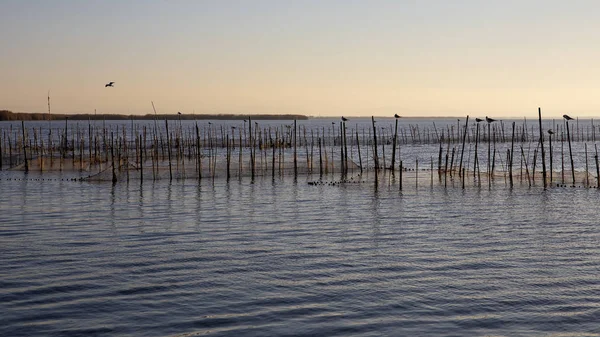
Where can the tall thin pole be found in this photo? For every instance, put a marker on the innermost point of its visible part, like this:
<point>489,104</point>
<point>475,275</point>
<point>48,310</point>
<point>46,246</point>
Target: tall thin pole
<point>542,146</point>
<point>463,145</point>
<point>571,154</point>
<point>550,143</point>
<point>394,146</point>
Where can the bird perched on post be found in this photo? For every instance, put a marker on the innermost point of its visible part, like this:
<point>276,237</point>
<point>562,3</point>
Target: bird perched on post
<point>567,117</point>
<point>478,120</point>
<point>344,119</point>
<point>489,120</point>
<point>550,132</point>
<point>109,84</point>
<point>396,116</point>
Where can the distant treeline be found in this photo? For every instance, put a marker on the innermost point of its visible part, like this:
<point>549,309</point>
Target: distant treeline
<point>6,115</point>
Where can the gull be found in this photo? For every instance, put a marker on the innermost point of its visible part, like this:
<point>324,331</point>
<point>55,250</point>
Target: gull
<point>567,117</point>
<point>550,132</point>
<point>478,120</point>
<point>396,116</point>
<point>109,84</point>
<point>344,119</point>
<point>489,120</point>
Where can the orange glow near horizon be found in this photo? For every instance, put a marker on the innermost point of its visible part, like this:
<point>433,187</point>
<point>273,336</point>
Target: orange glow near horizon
<point>312,58</point>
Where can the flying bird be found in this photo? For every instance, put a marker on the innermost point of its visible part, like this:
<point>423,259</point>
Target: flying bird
<point>109,84</point>
<point>396,116</point>
<point>489,120</point>
<point>567,117</point>
<point>478,120</point>
<point>344,119</point>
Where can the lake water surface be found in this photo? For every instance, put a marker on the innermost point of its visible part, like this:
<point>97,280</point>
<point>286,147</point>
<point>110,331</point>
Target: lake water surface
<point>282,257</point>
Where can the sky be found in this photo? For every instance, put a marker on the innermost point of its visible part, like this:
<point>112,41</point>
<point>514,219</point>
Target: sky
<point>317,58</point>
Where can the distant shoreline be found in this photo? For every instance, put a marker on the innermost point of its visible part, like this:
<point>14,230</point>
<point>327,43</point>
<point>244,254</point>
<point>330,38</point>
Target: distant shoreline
<point>6,115</point>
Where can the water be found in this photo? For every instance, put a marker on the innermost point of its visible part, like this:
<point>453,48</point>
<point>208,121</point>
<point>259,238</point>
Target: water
<point>276,258</point>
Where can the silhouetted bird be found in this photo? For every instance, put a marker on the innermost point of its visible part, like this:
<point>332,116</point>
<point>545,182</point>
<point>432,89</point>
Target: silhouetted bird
<point>109,84</point>
<point>344,119</point>
<point>567,117</point>
<point>332,123</point>
<point>550,132</point>
<point>489,120</point>
<point>396,116</point>
<point>478,120</point>
<point>179,112</point>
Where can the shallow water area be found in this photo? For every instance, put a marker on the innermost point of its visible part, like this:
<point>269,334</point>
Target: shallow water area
<point>282,257</point>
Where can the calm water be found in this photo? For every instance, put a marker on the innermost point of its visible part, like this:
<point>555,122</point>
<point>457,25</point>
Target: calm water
<point>276,258</point>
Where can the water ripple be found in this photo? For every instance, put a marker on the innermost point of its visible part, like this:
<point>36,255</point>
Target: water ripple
<point>282,258</point>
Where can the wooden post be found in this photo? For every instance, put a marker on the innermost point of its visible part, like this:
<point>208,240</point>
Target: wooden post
<point>462,152</point>
<point>295,151</point>
<point>394,146</point>
<point>24,147</point>
<point>251,148</point>
<point>476,159</point>
<point>376,159</point>
<point>401,173</point>
<point>571,154</point>
<point>542,145</point>
<point>273,145</point>
<point>358,148</point>
<point>141,160</point>
<point>320,158</point>
<point>345,149</point>
<point>597,168</point>
<point>112,156</point>
<point>526,166</point>
<point>550,144</point>
<point>512,149</point>
<point>169,149</point>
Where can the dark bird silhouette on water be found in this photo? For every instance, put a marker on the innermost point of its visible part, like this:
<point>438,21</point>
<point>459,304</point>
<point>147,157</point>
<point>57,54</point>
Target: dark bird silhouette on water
<point>567,117</point>
<point>489,120</point>
<point>109,84</point>
<point>550,132</point>
<point>344,119</point>
<point>478,120</point>
<point>396,116</point>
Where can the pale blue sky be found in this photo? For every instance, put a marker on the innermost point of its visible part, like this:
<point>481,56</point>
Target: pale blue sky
<point>501,58</point>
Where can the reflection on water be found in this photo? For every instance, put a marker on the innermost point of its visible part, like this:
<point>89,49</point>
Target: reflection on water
<point>279,257</point>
